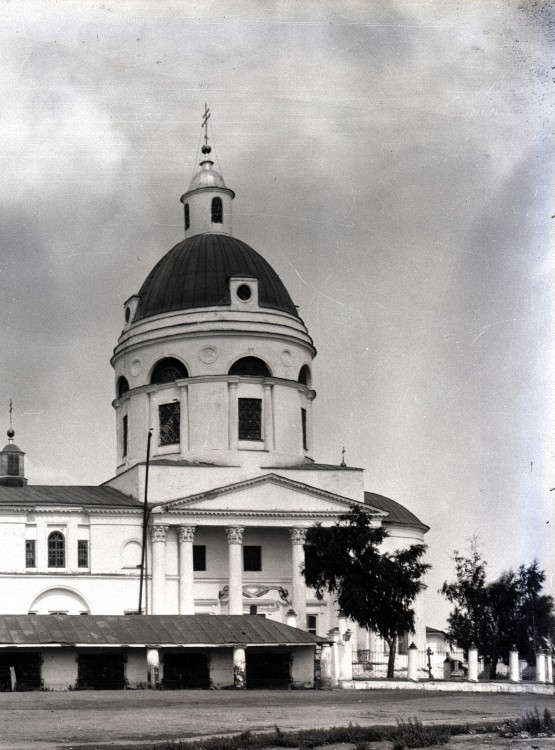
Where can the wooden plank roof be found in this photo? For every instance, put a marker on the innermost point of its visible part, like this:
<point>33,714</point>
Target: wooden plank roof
<point>140,630</point>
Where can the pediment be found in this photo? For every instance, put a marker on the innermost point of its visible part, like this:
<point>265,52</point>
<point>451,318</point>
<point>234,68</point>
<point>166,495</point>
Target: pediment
<point>269,494</point>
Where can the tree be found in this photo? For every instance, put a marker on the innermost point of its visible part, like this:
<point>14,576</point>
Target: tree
<point>495,616</point>
<point>375,589</point>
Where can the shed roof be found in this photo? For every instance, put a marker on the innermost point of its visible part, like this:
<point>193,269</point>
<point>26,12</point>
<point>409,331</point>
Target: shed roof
<point>68,495</point>
<point>141,630</point>
<point>398,515</point>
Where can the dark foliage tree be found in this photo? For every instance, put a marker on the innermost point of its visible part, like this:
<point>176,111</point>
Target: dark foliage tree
<point>375,589</point>
<point>495,616</point>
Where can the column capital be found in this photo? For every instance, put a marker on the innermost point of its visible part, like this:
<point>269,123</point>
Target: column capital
<point>234,534</point>
<point>186,534</point>
<point>158,533</point>
<point>298,535</point>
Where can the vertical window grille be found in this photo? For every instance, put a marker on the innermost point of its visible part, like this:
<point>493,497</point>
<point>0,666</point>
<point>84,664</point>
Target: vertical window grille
<point>303,424</point>
<point>124,430</point>
<point>82,553</point>
<point>30,553</point>
<point>250,419</point>
<point>199,557</point>
<point>217,211</point>
<point>56,550</point>
<point>312,624</point>
<point>169,417</point>
<point>187,217</point>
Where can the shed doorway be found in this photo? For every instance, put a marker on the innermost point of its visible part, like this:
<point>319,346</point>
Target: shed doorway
<point>20,672</point>
<point>103,671</point>
<point>186,671</point>
<point>268,671</point>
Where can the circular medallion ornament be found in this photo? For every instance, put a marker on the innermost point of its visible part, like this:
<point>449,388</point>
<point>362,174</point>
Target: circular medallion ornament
<point>136,367</point>
<point>286,357</point>
<point>208,355</point>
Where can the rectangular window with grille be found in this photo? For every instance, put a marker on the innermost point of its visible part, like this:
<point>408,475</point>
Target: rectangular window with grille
<point>124,431</point>
<point>312,624</point>
<point>82,553</point>
<point>199,557</point>
<point>250,419</point>
<point>303,425</point>
<point>169,416</point>
<point>30,553</point>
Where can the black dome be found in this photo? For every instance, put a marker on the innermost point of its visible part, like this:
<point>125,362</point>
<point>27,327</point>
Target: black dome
<point>195,273</point>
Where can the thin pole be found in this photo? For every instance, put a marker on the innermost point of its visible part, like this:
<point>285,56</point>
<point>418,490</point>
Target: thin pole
<point>145,521</point>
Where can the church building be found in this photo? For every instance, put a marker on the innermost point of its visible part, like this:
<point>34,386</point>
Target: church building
<point>214,400</point>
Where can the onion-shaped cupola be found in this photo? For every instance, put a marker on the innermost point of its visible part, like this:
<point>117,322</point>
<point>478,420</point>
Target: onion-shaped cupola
<point>214,357</point>
<point>12,464</point>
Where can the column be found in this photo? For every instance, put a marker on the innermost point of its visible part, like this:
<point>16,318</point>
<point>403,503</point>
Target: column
<point>239,668</point>
<point>235,542</point>
<point>186,536</point>
<point>153,667</point>
<point>233,415</point>
<point>298,539</point>
<point>345,648</point>
<point>473,663</point>
<point>158,593</point>
<point>514,666</point>
<point>268,418</point>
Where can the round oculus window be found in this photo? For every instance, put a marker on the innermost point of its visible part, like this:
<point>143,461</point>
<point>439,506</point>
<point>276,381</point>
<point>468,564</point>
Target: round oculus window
<point>244,292</point>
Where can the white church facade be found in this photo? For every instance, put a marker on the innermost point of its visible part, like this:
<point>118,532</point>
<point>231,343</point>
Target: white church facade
<point>215,363</point>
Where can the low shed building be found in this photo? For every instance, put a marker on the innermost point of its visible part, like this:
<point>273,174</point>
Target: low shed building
<point>63,652</point>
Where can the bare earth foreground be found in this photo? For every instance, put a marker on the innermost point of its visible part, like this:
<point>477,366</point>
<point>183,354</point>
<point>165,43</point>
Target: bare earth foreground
<point>44,721</point>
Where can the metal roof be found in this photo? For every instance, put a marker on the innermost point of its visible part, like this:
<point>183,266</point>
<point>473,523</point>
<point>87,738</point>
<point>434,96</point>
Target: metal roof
<point>99,497</point>
<point>140,630</point>
<point>397,514</point>
<point>195,274</point>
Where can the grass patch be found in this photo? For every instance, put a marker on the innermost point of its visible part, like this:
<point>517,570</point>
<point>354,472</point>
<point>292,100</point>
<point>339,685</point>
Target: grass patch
<point>414,734</point>
<point>532,724</point>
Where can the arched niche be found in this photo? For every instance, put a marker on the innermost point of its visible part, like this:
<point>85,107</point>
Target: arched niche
<point>167,370</point>
<point>252,366</point>
<point>305,376</point>
<point>131,554</point>
<point>122,386</point>
<point>60,600</point>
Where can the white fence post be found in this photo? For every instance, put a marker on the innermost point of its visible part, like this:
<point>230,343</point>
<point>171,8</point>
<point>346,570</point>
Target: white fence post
<point>412,666</point>
<point>540,666</point>
<point>472,663</point>
<point>514,665</point>
<point>549,667</point>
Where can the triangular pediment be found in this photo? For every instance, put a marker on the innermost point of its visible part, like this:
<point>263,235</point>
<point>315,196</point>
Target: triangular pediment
<point>267,494</point>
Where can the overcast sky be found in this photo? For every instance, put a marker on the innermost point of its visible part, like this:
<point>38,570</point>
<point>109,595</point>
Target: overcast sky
<point>392,162</point>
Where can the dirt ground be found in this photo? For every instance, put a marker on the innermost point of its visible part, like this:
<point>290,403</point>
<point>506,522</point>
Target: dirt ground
<point>47,721</point>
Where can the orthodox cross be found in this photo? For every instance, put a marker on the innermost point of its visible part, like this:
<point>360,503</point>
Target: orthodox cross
<point>343,457</point>
<point>205,118</point>
<point>11,410</point>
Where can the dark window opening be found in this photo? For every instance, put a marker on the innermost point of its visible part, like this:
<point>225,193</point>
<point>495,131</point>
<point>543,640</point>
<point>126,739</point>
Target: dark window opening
<point>187,217</point>
<point>101,671</point>
<point>167,370</point>
<point>26,669</point>
<point>56,550</point>
<point>217,211</point>
<point>312,624</point>
<point>13,464</point>
<point>267,671</point>
<point>30,553</point>
<point>303,424</point>
<point>250,366</point>
<point>123,386</point>
<point>244,292</point>
<point>305,377</point>
<point>199,557</point>
<point>252,558</point>
<point>82,553</point>
<point>124,429</point>
<point>170,418</point>
<point>186,671</point>
<point>127,314</point>
<point>253,609</point>
<point>250,419</point>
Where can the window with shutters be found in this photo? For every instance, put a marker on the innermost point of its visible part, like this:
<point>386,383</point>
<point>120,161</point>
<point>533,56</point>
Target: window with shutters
<point>250,419</point>
<point>56,550</point>
<point>169,417</point>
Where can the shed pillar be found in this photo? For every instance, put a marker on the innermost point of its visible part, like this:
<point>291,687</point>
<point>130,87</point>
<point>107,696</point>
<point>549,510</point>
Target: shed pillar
<point>239,668</point>
<point>153,667</point>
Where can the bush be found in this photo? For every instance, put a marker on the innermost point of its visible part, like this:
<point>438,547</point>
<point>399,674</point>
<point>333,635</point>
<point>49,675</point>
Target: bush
<point>414,734</point>
<point>529,725</point>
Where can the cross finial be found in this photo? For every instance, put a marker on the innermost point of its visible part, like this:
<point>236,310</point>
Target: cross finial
<point>343,457</point>
<point>11,410</point>
<point>205,118</point>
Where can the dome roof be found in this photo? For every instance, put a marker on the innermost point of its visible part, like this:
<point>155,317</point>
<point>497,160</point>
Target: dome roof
<point>397,513</point>
<point>207,177</point>
<point>196,271</point>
